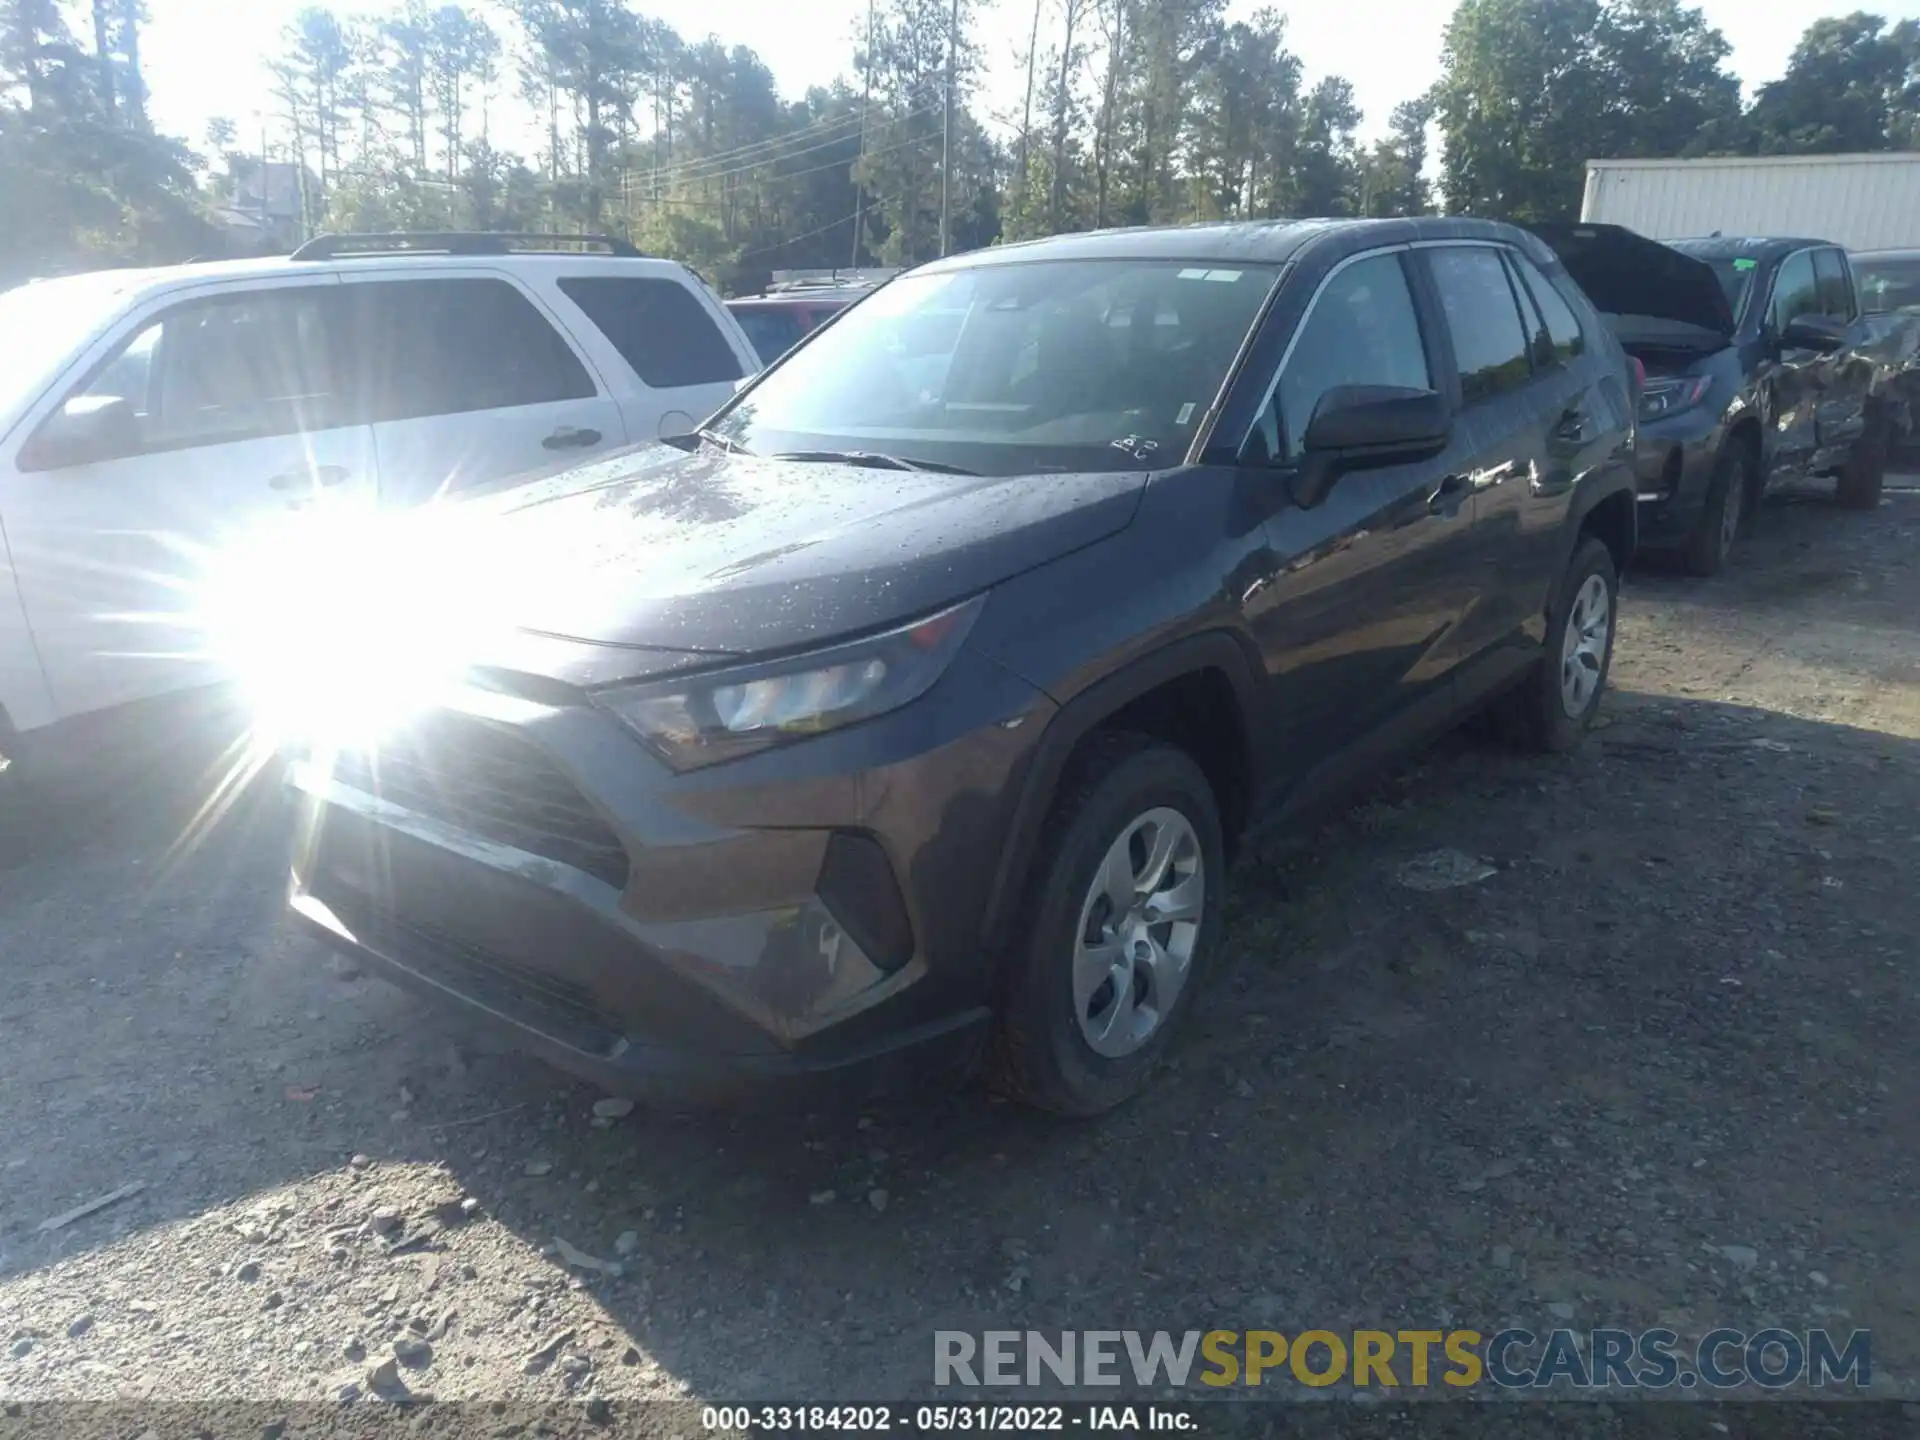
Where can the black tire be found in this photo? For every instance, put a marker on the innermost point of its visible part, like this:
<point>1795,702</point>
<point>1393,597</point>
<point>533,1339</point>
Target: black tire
<point>1040,1055</point>
<point>1713,536</point>
<point>1864,475</point>
<point>1535,715</point>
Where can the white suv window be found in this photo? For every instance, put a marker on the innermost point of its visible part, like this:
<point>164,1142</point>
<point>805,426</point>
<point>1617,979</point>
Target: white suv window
<point>450,346</point>
<point>233,367</point>
<point>659,328</point>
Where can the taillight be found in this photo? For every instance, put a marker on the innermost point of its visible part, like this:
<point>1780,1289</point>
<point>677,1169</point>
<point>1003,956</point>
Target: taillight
<point>1639,376</point>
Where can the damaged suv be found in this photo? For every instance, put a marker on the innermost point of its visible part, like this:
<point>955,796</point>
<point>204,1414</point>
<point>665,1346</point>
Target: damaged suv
<point>913,708</point>
<point>1758,368</point>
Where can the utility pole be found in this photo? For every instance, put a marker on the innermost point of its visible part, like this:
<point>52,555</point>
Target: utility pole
<point>866,104</point>
<point>946,135</point>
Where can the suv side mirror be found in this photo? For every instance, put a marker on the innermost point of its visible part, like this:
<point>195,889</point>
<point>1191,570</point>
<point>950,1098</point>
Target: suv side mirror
<point>1825,333</point>
<point>87,429</point>
<point>1363,427</point>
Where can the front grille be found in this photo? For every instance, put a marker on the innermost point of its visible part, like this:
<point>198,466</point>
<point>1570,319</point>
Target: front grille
<point>554,1006</point>
<point>491,781</point>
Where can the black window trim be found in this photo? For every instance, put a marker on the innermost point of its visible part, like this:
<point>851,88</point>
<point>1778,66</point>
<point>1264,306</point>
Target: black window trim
<point>1435,372</point>
<point>172,303</point>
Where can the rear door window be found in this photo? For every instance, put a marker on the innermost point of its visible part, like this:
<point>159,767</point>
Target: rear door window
<point>1561,338</point>
<point>1835,290</point>
<point>446,347</point>
<point>659,328</point>
<point>1489,342</point>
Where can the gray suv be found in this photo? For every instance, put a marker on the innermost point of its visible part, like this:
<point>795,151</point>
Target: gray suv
<point>914,708</point>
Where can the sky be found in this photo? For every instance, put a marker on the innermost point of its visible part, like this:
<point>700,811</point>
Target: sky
<point>204,59</point>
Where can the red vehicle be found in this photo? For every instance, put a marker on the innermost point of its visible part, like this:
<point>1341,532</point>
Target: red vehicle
<point>780,319</point>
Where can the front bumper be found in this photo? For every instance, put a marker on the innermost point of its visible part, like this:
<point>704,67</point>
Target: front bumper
<point>808,913</point>
<point>1673,463</point>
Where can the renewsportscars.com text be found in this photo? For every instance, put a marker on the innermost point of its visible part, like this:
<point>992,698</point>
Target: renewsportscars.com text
<point>1599,1359</point>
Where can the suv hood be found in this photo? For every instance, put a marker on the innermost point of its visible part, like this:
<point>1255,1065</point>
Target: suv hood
<point>1625,273</point>
<point>656,560</point>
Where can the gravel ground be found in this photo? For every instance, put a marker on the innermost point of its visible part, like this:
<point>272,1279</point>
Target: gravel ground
<point>1656,1067</point>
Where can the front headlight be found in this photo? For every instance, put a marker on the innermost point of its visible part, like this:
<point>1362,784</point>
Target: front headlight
<point>702,720</point>
<point>1662,398</point>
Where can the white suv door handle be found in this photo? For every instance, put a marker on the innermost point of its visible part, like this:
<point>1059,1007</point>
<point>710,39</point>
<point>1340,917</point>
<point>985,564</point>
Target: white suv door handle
<point>319,475</point>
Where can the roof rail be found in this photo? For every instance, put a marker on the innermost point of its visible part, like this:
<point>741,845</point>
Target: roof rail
<point>457,242</point>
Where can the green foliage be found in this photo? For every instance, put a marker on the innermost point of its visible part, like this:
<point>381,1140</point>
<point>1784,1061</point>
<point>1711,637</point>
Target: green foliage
<point>1533,89</point>
<point>1853,85</point>
<point>1135,111</point>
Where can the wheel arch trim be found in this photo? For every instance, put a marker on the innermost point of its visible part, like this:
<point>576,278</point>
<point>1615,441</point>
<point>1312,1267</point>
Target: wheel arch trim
<point>1081,716</point>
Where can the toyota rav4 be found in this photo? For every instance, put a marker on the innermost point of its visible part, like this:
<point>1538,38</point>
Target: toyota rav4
<point>915,707</point>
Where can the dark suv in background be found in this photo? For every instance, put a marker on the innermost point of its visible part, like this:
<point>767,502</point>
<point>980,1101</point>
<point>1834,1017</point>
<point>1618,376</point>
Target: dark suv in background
<point>916,706</point>
<point>1760,366</point>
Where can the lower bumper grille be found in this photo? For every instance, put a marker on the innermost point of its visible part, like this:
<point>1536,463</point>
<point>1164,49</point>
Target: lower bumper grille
<point>493,782</point>
<point>554,1006</point>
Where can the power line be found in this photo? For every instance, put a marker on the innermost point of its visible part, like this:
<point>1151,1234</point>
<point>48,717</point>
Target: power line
<point>846,123</point>
<point>806,234</point>
<point>686,171</point>
<point>810,170</point>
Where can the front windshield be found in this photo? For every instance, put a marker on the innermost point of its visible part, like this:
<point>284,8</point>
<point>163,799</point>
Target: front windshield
<point>59,315</point>
<point>1010,369</point>
<point>1888,284</point>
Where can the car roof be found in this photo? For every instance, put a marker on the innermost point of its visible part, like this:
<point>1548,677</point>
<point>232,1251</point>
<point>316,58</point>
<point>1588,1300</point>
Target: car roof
<point>159,277</point>
<point>1755,247</point>
<point>1250,242</point>
<point>824,295</point>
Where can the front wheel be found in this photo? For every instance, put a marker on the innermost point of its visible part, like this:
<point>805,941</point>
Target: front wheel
<point>1553,708</point>
<point>1724,516</point>
<point>1122,919</point>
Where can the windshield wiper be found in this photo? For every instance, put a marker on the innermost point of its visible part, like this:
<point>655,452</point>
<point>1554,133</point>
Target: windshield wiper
<point>690,441</point>
<point>873,460</point>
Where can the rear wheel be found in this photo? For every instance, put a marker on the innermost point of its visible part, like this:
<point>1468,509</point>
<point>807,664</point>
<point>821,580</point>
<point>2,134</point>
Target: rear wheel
<point>1122,919</point>
<point>1724,517</point>
<point>1864,475</point>
<point>1553,708</point>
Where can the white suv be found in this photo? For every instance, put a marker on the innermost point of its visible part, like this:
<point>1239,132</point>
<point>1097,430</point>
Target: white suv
<point>148,415</point>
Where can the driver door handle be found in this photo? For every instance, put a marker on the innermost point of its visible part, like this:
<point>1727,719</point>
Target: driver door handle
<point>300,479</point>
<point>569,437</point>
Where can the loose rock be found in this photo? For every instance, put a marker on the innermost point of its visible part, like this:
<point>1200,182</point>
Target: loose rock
<point>80,1326</point>
<point>613,1107</point>
<point>541,1357</point>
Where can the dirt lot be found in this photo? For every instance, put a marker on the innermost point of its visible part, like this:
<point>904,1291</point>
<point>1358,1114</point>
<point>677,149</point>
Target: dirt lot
<point>1659,1066</point>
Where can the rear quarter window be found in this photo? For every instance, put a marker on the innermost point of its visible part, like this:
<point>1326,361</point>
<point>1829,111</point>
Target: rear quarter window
<point>660,329</point>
